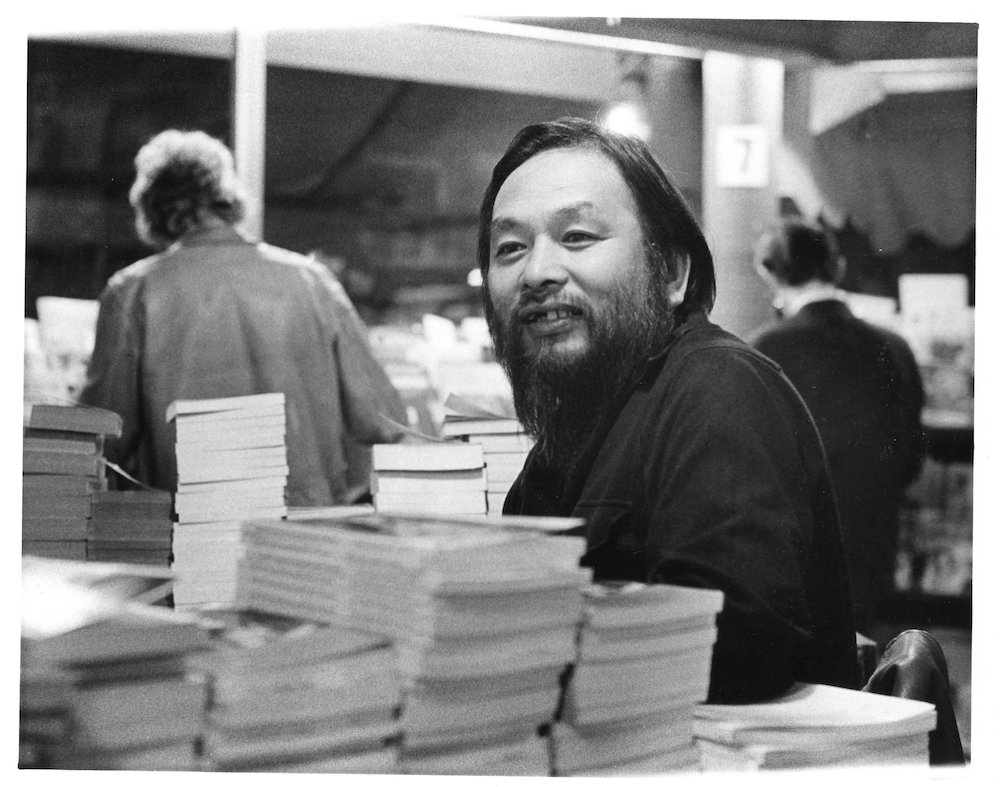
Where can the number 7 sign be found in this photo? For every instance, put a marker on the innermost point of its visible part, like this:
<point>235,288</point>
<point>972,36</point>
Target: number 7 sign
<point>741,156</point>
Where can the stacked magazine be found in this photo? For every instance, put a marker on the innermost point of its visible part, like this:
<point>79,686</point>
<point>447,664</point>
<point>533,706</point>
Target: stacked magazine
<point>504,441</point>
<point>104,678</point>
<point>231,466</point>
<point>643,666</point>
<point>815,726</point>
<point>484,621</point>
<point>134,526</point>
<point>505,448</point>
<point>62,466</point>
<point>291,694</point>
<point>429,478</point>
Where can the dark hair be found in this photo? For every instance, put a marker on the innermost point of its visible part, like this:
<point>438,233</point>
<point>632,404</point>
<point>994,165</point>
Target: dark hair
<point>183,178</point>
<point>796,251</point>
<point>667,222</point>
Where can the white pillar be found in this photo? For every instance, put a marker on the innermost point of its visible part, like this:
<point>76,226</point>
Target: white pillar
<point>249,112</point>
<point>742,133</point>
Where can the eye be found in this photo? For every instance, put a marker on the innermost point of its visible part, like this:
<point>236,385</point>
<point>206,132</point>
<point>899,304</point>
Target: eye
<point>507,249</point>
<point>578,238</point>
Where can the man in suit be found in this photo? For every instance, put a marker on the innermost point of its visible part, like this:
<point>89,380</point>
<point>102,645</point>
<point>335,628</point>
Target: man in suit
<point>863,387</point>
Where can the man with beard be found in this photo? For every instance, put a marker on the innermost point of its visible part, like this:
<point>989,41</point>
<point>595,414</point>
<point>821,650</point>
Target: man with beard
<point>691,457</point>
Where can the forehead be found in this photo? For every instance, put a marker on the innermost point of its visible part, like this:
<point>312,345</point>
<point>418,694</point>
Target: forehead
<point>554,179</point>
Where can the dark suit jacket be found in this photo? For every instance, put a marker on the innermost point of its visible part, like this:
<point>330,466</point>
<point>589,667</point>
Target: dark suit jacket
<point>863,387</point>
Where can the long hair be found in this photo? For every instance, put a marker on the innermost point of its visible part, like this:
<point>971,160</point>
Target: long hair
<point>668,225</point>
<point>183,178</point>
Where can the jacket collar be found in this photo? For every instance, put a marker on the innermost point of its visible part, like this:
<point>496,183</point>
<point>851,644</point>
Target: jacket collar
<point>696,319</point>
<point>830,308</point>
<point>216,235</point>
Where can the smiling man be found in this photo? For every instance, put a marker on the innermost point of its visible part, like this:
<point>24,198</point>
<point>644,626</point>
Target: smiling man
<point>690,455</point>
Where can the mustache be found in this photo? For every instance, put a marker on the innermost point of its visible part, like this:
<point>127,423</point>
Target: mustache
<point>531,300</point>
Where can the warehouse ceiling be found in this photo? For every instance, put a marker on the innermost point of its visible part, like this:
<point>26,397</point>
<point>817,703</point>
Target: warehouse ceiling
<point>829,41</point>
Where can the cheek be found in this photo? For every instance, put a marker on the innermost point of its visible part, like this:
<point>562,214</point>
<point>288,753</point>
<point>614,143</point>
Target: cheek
<point>502,286</point>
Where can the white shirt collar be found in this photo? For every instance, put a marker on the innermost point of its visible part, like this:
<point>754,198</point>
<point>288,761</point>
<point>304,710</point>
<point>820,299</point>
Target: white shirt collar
<point>791,301</point>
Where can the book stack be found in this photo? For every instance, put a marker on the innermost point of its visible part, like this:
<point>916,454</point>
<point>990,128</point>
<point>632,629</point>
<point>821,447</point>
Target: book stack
<point>815,726</point>
<point>445,478</point>
<point>643,666</point>
<point>293,695</point>
<point>484,621</point>
<point>104,680</point>
<point>132,526</point>
<point>505,447</point>
<point>231,466</point>
<point>62,466</point>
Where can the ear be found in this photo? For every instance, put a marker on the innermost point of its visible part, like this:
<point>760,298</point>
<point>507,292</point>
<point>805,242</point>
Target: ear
<point>678,287</point>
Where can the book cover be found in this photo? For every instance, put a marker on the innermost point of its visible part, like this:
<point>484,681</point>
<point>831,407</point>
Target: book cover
<point>447,502</point>
<point>812,714</point>
<point>225,403</point>
<point>420,482</point>
<point>73,418</point>
<point>427,456</point>
<point>58,440</point>
<point>503,443</point>
<point>460,426</point>
<point>61,463</point>
<point>627,604</point>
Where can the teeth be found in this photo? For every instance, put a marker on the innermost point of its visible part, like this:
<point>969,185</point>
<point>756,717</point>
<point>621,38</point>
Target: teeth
<point>552,316</point>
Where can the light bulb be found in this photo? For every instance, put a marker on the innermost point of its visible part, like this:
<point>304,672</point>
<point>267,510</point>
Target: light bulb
<point>627,119</point>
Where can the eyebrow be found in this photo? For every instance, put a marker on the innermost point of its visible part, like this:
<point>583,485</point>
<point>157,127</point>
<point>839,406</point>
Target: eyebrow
<point>576,210</point>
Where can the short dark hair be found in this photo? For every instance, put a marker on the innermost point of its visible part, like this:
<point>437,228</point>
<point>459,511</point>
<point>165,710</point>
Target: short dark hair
<point>667,222</point>
<point>795,251</point>
<point>182,178</point>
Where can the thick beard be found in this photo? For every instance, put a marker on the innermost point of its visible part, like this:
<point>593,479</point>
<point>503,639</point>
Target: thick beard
<point>567,403</point>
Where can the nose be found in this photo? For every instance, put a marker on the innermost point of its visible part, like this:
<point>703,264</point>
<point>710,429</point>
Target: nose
<point>543,266</point>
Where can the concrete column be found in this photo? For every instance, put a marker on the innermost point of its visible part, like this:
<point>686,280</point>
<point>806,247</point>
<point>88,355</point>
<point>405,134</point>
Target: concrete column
<point>675,106</point>
<point>249,110</point>
<point>742,133</point>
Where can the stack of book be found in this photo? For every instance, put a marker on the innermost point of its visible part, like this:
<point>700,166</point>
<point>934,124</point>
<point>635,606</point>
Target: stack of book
<point>132,526</point>
<point>484,645</point>
<point>643,666</point>
<point>505,447</point>
<point>62,465</point>
<point>293,695</point>
<point>484,621</point>
<point>104,681</point>
<point>815,726</point>
<point>231,466</point>
<point>445,478</point>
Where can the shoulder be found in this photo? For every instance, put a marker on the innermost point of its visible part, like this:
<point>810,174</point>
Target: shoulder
<point>887,336</point>
<point>299,263</point>
<point>131,277</point>
<point>889,344</point>
<point>284,256</point>
<point>709,349</point>
<point>713,371</point>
